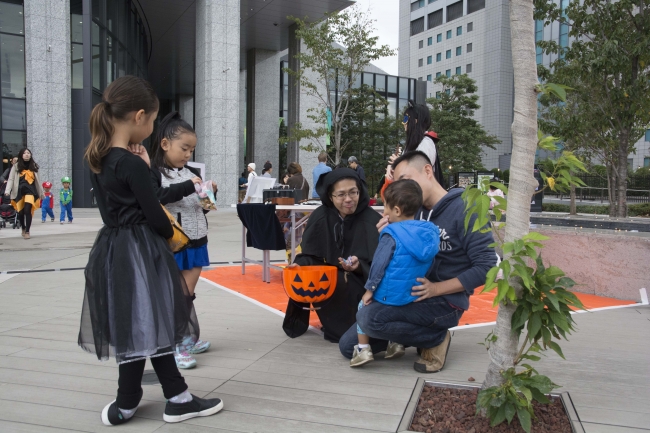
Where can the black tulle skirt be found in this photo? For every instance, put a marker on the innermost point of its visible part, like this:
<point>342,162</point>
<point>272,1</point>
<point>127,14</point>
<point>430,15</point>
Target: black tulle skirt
<point>136,303</point>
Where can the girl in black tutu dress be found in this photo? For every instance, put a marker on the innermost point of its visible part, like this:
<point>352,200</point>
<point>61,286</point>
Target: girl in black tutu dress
<point>135,304</point>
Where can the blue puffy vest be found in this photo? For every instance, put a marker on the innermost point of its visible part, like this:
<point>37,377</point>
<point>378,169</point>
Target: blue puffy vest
<point>416,245</point>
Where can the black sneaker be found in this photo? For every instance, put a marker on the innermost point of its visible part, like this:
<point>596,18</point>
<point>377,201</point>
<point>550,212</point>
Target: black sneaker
<point>177,412</point>
<point>111,415</point>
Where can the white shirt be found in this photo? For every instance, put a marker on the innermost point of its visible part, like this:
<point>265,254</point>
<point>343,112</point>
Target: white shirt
<point>429,148</point>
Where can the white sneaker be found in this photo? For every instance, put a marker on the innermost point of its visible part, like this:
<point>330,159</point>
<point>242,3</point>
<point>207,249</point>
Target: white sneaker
<point>362,357</point>
<point>184,360</point>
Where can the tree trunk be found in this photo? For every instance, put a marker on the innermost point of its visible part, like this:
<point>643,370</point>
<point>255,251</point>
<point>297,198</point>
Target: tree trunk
<point>572,202</point>
<point>621,185</point>
<point>611,190</point>
<point>522,183</point>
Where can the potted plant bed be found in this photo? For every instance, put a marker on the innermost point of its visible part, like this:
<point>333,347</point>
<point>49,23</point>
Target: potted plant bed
<point>439,407</point>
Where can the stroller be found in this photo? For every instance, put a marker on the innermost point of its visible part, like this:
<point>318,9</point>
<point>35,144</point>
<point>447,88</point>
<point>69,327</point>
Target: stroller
<point>8,214</point>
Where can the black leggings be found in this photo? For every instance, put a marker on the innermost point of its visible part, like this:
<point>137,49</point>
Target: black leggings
<point>25,217</point>
<point>129,391</point>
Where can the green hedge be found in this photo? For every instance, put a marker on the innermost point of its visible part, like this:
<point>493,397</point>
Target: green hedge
<point>642,210</point>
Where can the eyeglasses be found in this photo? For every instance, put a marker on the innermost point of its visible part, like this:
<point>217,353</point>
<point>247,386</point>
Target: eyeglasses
<point>405,120</point>
<point>351,194</point>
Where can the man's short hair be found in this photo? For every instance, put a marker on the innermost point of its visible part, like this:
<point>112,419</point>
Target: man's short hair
<point>322,157</point>
<point>352,159</point>
<point>416,158</point>
<point>405,194</point>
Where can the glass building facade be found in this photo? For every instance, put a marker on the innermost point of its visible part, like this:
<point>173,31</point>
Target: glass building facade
<point>396,90</point>
<point>12,76</point>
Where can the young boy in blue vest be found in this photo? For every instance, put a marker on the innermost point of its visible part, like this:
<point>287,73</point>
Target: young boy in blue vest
<point>405,252</point>
<point>65,196</point>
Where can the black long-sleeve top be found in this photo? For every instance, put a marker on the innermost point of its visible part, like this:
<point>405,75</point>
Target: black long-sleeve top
<point>125,195</point>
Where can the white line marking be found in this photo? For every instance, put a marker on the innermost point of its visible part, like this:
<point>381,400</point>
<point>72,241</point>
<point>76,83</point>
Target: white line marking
<point>258,303</point>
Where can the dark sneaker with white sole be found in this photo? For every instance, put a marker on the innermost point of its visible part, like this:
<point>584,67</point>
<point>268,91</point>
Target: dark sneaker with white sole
<point>111,415</point>
<point>177,412</point>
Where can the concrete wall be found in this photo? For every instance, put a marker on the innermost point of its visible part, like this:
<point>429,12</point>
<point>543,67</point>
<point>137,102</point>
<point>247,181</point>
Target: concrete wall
<point>601,264</point>
<point>48,82</point>
<point>217,94</point>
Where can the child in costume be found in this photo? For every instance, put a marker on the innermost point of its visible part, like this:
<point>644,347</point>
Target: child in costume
<point>65,196</point>
<point>175,184</point>
<point>405,252</point>
<point>134,304</point>
<point>47,204</point>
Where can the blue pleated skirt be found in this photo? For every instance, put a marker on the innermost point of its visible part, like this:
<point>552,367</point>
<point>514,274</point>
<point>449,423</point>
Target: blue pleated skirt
<point>193,258</point>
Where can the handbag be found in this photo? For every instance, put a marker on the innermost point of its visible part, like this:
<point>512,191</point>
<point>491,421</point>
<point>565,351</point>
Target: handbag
<point>179,241</point>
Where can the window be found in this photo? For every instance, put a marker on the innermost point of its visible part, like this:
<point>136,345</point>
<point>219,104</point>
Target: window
<point>431,1</point>
<point>469,48</point>
<point>468,68</point>
<point>539,35</point>
<point>459,51</point>
<point>475,5</point>
<point>429,77</point>
<point>435,19</point>
<point>448,54</point>
<point>437,95</point>
<point>420,63</point>
<point>458,72</point>
<point>455,10</point>
<point>448,34</point>
<point>470,27</point>
<point>459,30</point>
<point>438,74</point>
<point>429,60</point>
<point>439,37</point>
<point>421,44</point>
<point>438,57</point>
<point>430,41</point>
<point>646,162</point>
<point>417,5</point>
<point>417,26</point>
<point>647,135</point>
<point>448,72</point>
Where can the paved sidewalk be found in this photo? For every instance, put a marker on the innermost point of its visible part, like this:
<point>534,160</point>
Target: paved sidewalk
<point>269,383</point>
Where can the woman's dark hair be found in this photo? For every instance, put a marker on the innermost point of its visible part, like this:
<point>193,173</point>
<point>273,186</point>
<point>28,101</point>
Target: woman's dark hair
<point>405,194</point>
<point>21,165</point>
<point>294,168</point>
<point>418,124</point>
<point>123,96</point>
<point>267,167</point>
<point>330,189</point>
<point>170,128</point>
<point>415,132</point>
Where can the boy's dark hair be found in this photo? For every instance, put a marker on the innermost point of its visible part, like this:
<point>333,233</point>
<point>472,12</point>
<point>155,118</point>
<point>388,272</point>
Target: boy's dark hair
<point>170,128</point>
<point>413,157</point>
<point>405,194</point>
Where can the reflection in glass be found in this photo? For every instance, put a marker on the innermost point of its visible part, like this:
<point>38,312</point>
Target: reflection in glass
<point>402,105</point>
<point>392,84</point>
<point>403,88</point>
<point>412,89</point>
<point>380,83</point>
<point>109,60</point>
<point>357,82</point>
<point>77,66</point>
<point>12,142</point>
<point>392,106</point>
<point>76,28</point>
<point>12,65</point>
<point>11,18</point>
<point>13,114</point>
<point>111,16</point>
<point>368,79</point>
<point>98,10</point>
<point>96,58</point>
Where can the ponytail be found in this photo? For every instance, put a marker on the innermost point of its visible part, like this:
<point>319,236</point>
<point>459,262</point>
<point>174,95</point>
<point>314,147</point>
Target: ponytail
<point>101,131</point>
<point>170,128</point>
<point>123,96</point>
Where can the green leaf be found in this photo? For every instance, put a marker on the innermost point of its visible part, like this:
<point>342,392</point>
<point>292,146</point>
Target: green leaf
<point>500,416</point>
<point>536,237</point>
<point>531,357</point>
<point>556,347</point>
<point>534,325</point>
<point>540,397</point>
<point>546,335</point>
<point>524,418</point>
<point>510,411</point>
<point>554,300</point>
<point>526,392</point>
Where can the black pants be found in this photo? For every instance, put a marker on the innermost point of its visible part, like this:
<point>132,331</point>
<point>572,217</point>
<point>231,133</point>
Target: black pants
<point>25,217</point>
<point>129,391</point>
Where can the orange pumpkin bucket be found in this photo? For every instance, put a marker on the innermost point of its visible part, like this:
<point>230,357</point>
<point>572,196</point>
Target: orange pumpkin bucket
<point>309,284</point>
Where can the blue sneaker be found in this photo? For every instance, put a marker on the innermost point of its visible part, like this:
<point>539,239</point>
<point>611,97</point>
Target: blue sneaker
<point>198,347</point>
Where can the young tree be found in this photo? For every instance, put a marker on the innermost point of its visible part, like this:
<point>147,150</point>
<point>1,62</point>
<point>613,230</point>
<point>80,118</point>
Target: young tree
<point>462,138</point>
<point>338,50</point>
<point>369,133</point>
<point>609,58</point>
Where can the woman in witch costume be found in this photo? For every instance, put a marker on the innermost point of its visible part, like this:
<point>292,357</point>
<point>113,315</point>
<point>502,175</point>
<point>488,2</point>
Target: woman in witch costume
<point>24,188</point>
<point>343,228</point>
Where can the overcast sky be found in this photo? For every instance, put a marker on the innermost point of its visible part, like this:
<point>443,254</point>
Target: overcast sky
<point>386,14</point>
